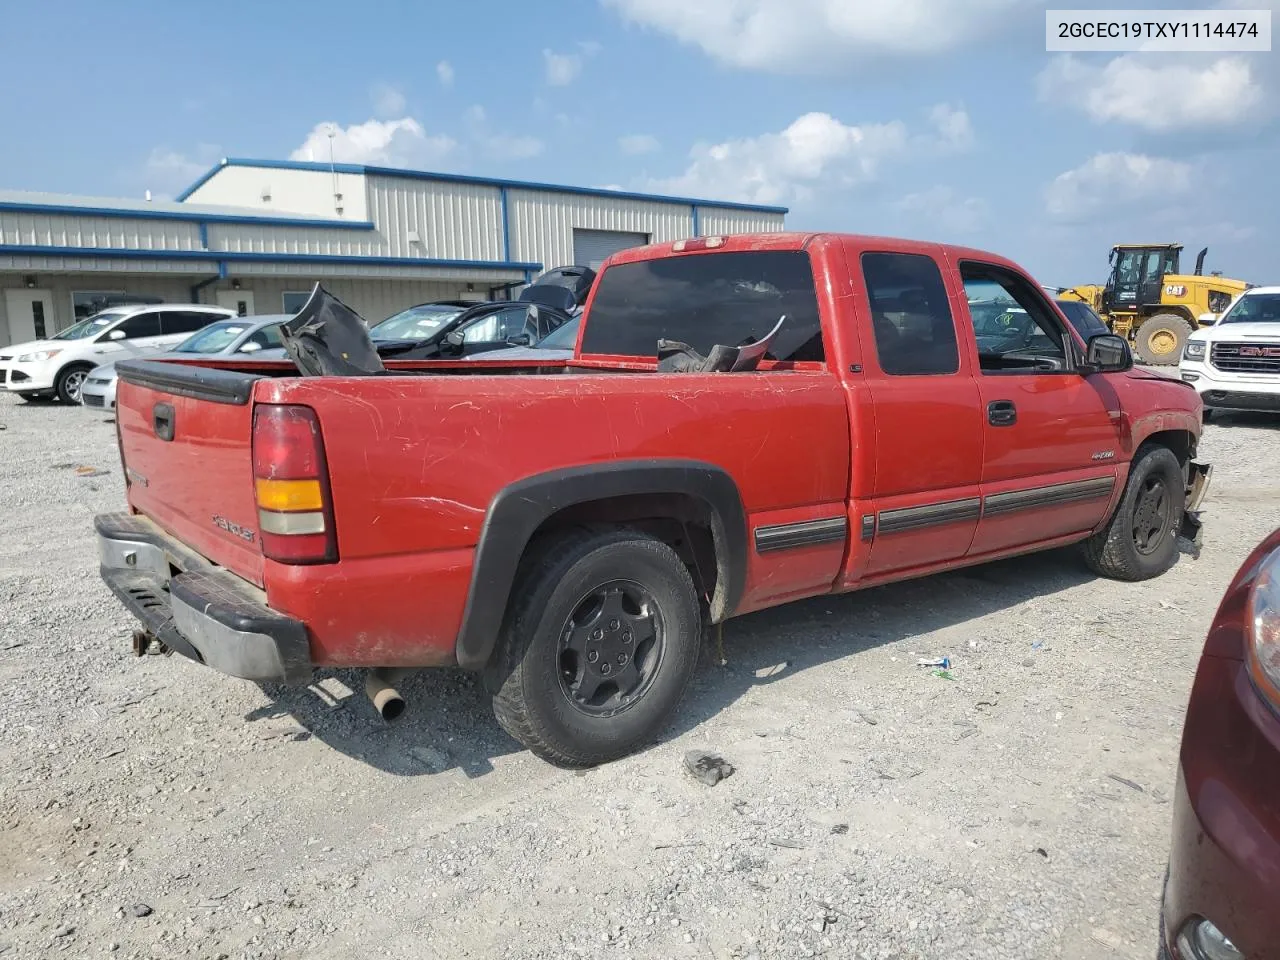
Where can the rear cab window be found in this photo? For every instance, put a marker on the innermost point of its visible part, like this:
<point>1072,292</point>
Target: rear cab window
<point>703,299</point>
<point>915,334</point>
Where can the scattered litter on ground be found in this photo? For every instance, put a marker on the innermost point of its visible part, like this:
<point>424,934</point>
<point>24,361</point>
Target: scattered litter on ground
<point>943,662</point>
<point>708,768</point>
<point>942,674</point>
<point>1126,782</point>
<point>787,843</point>
<point>766,672</point>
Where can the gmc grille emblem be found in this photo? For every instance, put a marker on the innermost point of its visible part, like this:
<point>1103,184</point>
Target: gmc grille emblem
<point>244,533</point>
<point>1260,351</point>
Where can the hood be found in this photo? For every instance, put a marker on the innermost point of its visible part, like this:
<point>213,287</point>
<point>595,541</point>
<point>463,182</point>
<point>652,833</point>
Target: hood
<point>33,345</point>
<point>1259,330</point>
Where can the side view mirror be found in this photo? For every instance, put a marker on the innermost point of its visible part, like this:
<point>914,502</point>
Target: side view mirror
<point>520,340</point>
<point>453,341</point>
<point>1208,319</point>
<point>1108,353</point>
<point>250,347</point>
<point>116,335</point>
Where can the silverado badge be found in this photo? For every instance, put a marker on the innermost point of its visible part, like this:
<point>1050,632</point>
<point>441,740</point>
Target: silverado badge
<point>244,533</point>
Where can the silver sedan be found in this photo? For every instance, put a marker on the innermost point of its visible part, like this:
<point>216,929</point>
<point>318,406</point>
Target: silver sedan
<point>256,336</point>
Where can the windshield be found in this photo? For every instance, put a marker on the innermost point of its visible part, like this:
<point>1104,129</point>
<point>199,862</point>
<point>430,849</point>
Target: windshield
<point>416,323</point>
<point>212,339</point>
<point>91,326</point>
<point>563,338</point>
<point>1254,308</point>
<point>998,318</point>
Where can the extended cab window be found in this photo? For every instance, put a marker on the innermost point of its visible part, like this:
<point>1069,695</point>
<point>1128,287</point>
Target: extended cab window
<point>707,298</point>
<point>1016,331</point>
<point>915,335</point>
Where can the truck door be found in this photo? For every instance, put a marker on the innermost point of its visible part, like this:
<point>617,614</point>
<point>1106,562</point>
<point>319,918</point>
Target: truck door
<point>1051,434</point>
<point>927,452</point>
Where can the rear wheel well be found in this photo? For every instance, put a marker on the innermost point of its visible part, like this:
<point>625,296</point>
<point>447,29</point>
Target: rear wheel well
<point>683,522</point>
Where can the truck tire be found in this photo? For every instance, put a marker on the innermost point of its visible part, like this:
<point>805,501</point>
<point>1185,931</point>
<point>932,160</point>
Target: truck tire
<point>597,648</point>
<point>1141,539</point>
<point>70,379</point>
<point>1160,339</point>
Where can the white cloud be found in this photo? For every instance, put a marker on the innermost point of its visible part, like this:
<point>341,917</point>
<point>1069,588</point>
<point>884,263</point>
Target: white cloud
<point>943,208</point>
<point>801,36</point>
<point>637,143</point>
<point>388,101</point>
<point>777,167</point>
<point>815,150</point>
<point>954,131</point>
<point>1108,181</point>
<point>401,142</point>
<point>444,72</point>
<point>167,171</point>
<point>562,68</point>
<point>1155,94</point>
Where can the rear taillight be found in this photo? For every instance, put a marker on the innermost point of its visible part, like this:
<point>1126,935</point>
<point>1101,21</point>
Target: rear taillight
<point>291,486</point>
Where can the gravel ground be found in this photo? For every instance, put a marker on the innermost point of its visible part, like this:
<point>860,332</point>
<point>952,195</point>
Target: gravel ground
<point>155,808</point>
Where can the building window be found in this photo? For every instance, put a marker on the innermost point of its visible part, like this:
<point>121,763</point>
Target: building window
<point>293,301</point>
<point>85,303</point>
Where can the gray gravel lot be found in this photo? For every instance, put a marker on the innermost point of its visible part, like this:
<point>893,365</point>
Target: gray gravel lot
<point>155,808</point>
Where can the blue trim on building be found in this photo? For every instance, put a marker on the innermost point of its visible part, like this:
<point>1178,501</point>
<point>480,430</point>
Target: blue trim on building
<point>697,225</point>
<point>204,178</point>
<point>506,224</point>
<point>463,178</point>
<point>225,256</point>
<point>204,235</point>
<point>222,270</point>
<point>124,213</point>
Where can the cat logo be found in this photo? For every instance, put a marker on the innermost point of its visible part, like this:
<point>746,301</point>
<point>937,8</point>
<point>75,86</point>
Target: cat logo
<point>1175,290</point>
<point>1104,455</point>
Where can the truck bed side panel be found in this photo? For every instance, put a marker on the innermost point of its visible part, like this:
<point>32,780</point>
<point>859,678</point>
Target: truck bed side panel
<point>415,463</point>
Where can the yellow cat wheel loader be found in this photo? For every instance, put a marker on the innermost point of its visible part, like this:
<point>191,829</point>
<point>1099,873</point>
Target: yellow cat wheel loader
<point>1149,301</point>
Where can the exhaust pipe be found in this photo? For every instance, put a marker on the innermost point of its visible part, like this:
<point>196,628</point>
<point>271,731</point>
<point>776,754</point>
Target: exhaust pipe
<point>380,687</point>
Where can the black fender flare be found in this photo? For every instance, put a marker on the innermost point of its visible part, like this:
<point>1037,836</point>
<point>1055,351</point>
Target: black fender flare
<point>520,508</point>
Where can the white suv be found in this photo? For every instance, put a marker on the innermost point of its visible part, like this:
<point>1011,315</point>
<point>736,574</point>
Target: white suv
<point>57,367</point>
<point>1235,364</point>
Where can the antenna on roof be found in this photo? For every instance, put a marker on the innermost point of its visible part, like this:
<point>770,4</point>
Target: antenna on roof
<point>337,195</point>
<point>147,196</point>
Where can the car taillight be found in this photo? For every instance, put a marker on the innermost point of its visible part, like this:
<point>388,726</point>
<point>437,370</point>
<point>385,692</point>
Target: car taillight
<point>291,486</point>
<point>1263,625</point>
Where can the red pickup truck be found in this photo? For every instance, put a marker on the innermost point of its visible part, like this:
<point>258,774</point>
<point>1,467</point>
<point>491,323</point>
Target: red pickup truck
<point>570,530</point>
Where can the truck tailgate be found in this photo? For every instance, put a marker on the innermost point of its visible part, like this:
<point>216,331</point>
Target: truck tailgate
<point>186,441</point>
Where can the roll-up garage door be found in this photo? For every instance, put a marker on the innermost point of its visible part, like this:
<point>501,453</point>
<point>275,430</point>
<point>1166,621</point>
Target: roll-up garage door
<point>591,247</point>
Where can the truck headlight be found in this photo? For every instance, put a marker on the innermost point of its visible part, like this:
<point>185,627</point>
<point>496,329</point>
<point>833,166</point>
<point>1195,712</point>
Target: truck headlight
<point>38,356</point>
<point>1194,350</point>
<point>1262,622</point>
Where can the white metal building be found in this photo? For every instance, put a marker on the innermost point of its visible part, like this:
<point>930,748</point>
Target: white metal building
<point>254,235</point>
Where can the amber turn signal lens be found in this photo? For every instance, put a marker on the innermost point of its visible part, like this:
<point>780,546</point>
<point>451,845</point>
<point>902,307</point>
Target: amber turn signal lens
<point>288,495</point>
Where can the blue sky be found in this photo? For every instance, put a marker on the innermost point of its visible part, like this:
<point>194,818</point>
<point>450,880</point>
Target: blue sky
<point>937,119</point>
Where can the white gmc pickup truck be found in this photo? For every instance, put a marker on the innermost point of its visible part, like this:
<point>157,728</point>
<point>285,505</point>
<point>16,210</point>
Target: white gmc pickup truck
<point>1235,364</point>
